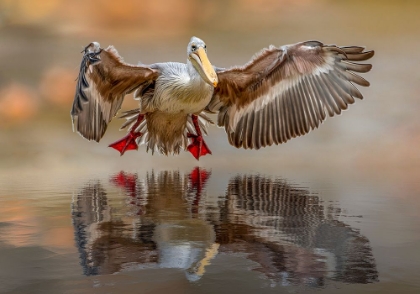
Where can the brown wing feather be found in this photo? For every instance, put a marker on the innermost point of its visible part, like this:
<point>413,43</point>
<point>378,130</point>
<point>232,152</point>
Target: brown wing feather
<point>286,92</point>
<point>104,80</point>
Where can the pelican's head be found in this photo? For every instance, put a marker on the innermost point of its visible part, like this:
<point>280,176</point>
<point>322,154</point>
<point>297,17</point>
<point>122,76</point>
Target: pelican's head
<point>197,54</point>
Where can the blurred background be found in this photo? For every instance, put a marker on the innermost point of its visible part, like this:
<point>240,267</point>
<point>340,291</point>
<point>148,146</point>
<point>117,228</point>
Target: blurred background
<point>365,161</point>
<point>40,44</point>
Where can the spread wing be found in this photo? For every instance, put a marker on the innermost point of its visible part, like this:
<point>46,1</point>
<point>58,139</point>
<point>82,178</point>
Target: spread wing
<point>286,92</point>
<point>104,79</point>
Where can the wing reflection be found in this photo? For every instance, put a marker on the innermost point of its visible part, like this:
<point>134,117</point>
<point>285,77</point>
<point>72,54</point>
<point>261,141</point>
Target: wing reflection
<point>287,231</point>
<point>168,221</point>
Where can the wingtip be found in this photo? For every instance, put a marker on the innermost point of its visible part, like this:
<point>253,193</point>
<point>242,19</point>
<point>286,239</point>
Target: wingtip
<point>370,53</point>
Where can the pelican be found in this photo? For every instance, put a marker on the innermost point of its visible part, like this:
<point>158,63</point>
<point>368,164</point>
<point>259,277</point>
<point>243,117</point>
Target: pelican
<point>281,93</point>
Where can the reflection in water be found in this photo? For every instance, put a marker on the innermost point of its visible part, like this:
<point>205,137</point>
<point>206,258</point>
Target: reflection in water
<point>287,232</point>
<point>168,221</point>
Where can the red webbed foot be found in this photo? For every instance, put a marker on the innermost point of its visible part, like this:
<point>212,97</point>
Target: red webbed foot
<point>129,141</point>
<point>197,147</point>
<point>127,181</point>
<point>126,143</point>
<point>198,178</point>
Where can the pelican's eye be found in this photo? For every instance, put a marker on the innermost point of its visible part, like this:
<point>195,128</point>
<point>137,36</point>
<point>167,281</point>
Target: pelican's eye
<point>193,47</point>
<point>205,46</point>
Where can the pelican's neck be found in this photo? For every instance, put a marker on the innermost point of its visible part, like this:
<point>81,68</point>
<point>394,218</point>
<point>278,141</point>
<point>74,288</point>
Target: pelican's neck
<point>194,74</point>
<point>196,89</point>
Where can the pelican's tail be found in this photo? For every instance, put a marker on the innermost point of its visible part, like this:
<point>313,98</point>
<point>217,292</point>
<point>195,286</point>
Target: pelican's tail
<point>163,132</point>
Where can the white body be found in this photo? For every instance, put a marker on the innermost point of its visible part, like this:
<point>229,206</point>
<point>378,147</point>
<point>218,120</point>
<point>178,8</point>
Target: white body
<point>179,90</point>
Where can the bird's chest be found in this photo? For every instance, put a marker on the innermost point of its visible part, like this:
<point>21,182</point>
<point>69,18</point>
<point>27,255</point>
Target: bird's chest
<point>182,95</point>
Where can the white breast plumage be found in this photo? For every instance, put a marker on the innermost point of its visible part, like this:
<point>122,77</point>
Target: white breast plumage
<point>179,92</point>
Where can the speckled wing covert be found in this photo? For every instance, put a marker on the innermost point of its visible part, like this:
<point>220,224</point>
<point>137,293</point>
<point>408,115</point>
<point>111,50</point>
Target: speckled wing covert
<point>104,79</point>
<point>286,92</point>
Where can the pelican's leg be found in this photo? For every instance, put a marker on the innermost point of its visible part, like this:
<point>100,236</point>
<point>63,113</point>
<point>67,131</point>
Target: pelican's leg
<point>129,141</point>
<point>197,147</point>
<point>198,179</point>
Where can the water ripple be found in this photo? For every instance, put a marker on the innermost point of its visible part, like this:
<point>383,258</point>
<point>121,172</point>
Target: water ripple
<point>168,220</point>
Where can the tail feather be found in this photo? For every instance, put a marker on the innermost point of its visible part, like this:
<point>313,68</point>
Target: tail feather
<point>165,139</point>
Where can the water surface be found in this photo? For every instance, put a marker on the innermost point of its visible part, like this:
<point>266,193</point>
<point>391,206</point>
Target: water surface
<point>205,230</point>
